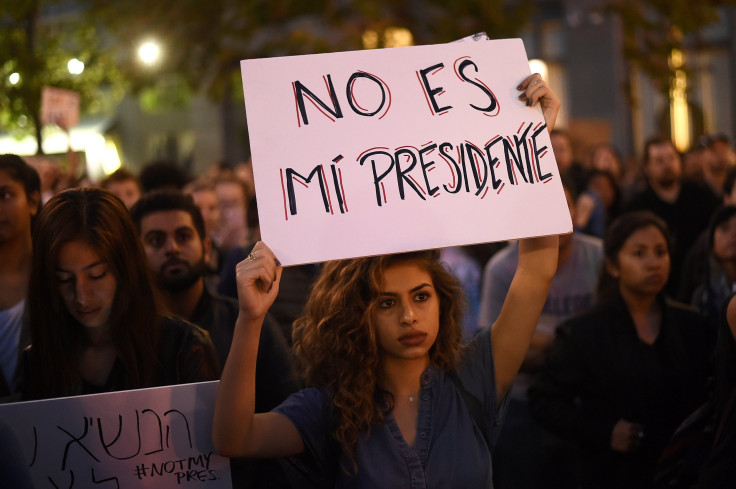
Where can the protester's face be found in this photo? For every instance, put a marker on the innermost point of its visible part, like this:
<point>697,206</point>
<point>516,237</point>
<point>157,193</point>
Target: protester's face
<point>232,204</point>
<point>562,149</point>
<point>723,154</point>
<point>126,190</point>
<point>407,314</point>
<point>244,173</point>
<point>174,249</point>
<point>605,160</point>
<point>86,284</point>
<point>231,195</point>
<point>724,240</point>
<point>712,162</point>
<point>643,263</point>
<point>663,168</point>
<point>208,204</point>
<point>16,209</point>
<point>605,188</point>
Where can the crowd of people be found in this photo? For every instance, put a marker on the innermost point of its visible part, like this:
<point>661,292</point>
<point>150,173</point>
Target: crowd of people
<point>551,362</point>
<point>625,347</point>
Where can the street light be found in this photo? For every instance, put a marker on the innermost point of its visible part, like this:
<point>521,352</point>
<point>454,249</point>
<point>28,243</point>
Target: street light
<point>679,114</point>
<point>14,78</point>
<point>149,53</point>
<point>75,66</point>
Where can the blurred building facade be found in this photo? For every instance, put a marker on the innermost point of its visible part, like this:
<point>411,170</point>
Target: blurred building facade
<point>581,45</point>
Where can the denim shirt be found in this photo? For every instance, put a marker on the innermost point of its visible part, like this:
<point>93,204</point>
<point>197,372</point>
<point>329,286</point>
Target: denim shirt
<point>450,451</point>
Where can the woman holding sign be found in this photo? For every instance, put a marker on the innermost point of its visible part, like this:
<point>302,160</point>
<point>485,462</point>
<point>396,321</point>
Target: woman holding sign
<point>95,326</point>
<point>395,401</point>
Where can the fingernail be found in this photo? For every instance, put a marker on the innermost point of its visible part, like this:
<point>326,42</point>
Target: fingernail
<point>529,103</point>
<point>518,86</point>
<point>278,263</point>
<point>522,96</point>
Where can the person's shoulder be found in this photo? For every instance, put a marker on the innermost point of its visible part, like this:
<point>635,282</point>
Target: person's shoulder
<point>587,253</point>
<point>176,329</point>
<point>229,303</point>
<point>687,313</point>
<point>696,193</point>
<point>643,199</point>
<point>500,269</point>
<point>505,256</point>
<point>588,243</point>
<point>639,197</point>
<point>690,323</point>
<point>477,352</point>
<point>589,321</point>
<point>306,400</point>
<point>699,188</point>
<point>681,306</point>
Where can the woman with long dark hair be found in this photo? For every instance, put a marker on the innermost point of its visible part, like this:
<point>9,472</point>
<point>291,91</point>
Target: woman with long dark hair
<point>95,325</point>
<point>621,377</point>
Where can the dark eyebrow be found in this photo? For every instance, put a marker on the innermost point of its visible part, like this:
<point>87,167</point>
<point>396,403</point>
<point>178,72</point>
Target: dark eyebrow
<point>92,265</point>
<point>155,231</point>
<point>414,289</point>
<point>185,228</point>
<point>421,286</point>
<point>176,230</point>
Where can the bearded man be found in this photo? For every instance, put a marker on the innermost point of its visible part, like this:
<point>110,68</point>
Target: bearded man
<point>685,206</point>
<point>171,228</point>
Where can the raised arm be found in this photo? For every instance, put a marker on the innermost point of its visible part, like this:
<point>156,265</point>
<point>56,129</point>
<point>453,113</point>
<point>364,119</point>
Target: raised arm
<point>513,330</point>
<point>237,431</point>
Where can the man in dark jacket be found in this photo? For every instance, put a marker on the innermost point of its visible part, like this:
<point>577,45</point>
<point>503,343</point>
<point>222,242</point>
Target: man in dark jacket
<point>171,228</point>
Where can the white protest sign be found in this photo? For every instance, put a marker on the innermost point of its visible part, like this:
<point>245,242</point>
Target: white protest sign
<point>59,106</point>
<point>381,151</point>
<point>150,438</point>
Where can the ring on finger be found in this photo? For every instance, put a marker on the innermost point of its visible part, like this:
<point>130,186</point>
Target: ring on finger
<point>251,256</point>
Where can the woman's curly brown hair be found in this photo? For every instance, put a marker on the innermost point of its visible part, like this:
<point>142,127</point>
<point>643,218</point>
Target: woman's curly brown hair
<point>336,344</point>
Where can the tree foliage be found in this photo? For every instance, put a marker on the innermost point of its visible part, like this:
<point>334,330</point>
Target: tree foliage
<point>653,29</point>
<point>203,42</point>
<point>37,43</point>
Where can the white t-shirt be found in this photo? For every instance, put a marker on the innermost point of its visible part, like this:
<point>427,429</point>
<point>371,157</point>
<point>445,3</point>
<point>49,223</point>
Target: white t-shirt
<point>572,290</point>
